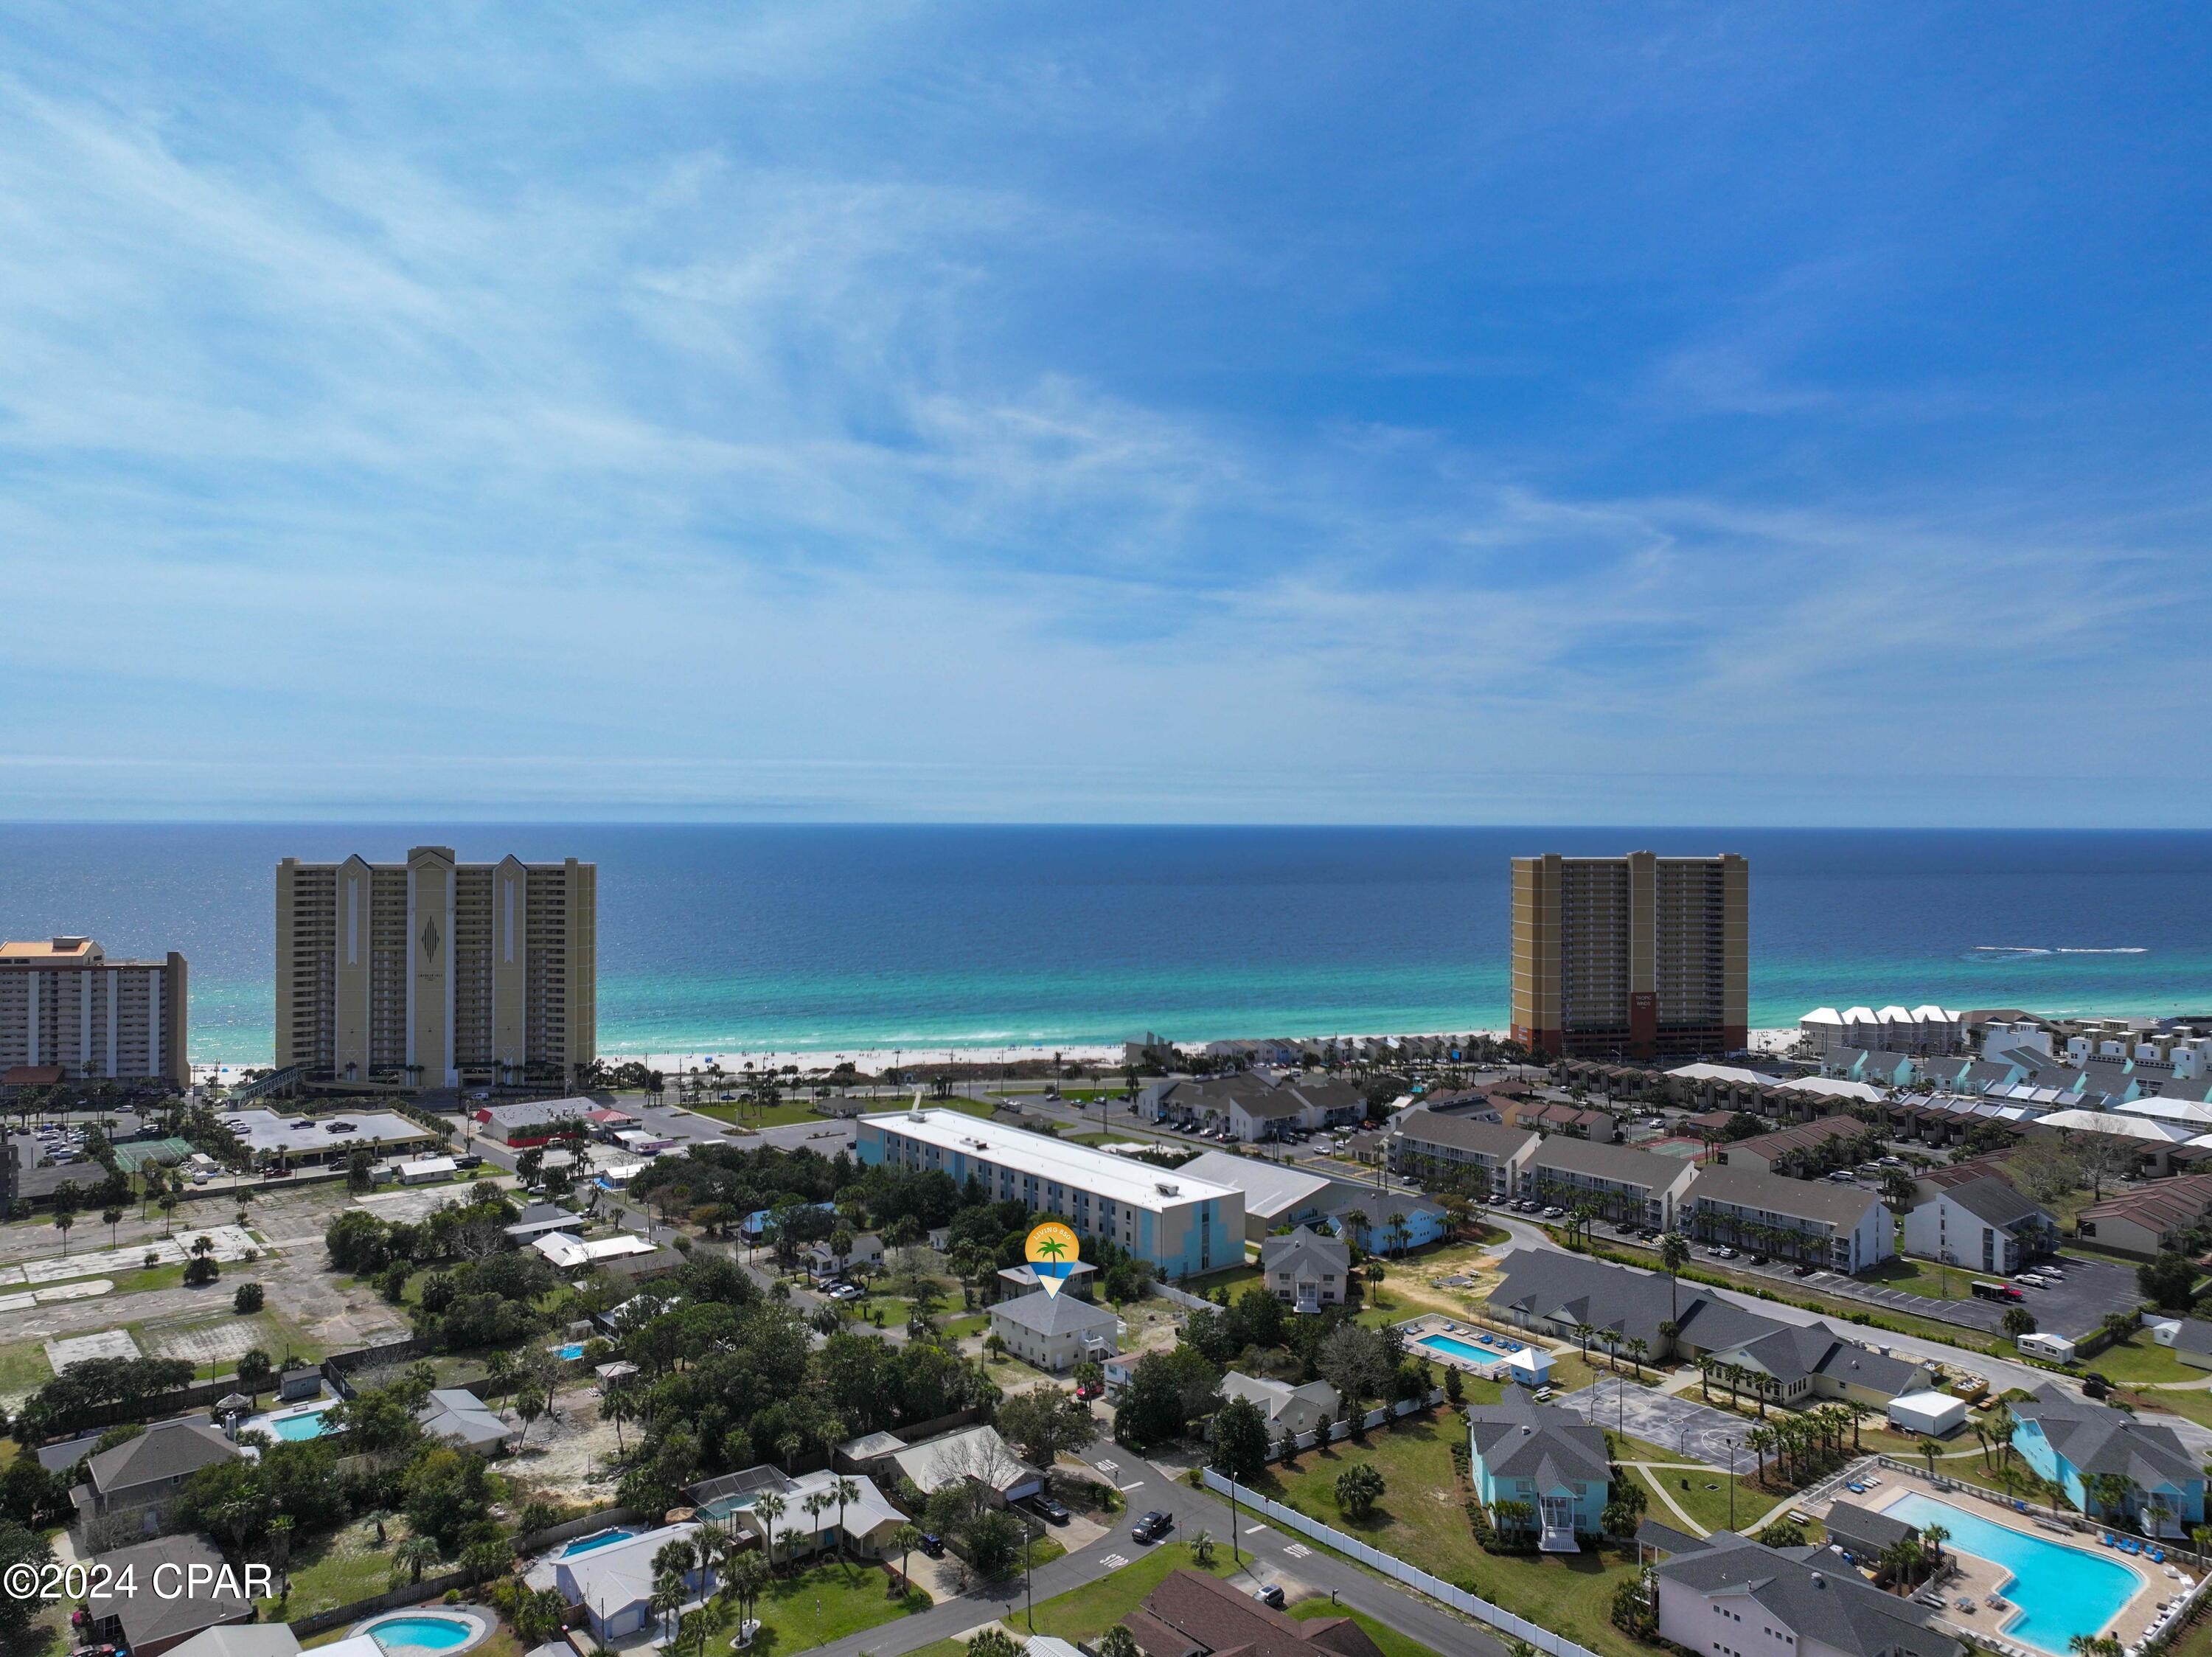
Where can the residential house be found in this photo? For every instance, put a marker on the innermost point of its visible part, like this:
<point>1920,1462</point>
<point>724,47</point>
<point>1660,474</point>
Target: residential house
<point>867,1519</point>
<point>614,1584</point>
<point>1434,1146</point>
<point>1803,1148</point>
<point>247,1640</point>
<point>1843,1227</point>
<point>1381,1222</point>
<point>1550,1460</point>
<point>1055,1332</point>
<point>974,1455</point>
<point>1192,1614</point>
<point>459,1417</point>
<point>1881,1068</point>
<point>2078,1445</point>
<point>823,1262</point>
<point>195,1589</point>
<point>1729,1596</point>
<point>1288,1409</point>
<point>1305,1270</point>
<point>1627,1186</point>
<point>539,1219</point>
<point>1983,1224</point>
<point>142,1476</point>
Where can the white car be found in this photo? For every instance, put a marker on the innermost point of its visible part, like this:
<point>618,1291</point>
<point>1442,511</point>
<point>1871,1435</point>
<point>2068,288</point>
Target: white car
<point>846,1292</point>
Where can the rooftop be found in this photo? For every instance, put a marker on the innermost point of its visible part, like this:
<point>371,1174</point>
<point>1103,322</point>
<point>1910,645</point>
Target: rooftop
<point>1270,1188</point>
<point>1623,1164</point>
<point>1843,1206</point>
<point>1833,1607</point>
<point>1079,1167</point>
<point>1054,1315</point>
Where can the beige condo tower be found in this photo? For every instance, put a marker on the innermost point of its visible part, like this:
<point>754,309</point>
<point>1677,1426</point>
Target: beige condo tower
<point>1633,957</point>
<point>438,973</point>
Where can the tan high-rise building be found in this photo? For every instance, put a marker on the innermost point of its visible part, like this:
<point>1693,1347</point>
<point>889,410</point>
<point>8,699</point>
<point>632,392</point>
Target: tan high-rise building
<point>437,971</point>
<point>1638,957</point>
<point>66,1008</point>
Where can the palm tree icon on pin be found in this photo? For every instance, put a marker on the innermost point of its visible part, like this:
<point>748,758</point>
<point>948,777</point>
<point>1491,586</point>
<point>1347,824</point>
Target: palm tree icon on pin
<point>1051,1251</point>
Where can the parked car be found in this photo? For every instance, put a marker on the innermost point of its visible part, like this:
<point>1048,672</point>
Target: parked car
<point>1152,1527</point>
<point>846,1292</point>
<point>1803,1269</point>
<point>1270,1595</point>
<point>1088,1389</point>
<point>933,1544</point>
<point>1048,1507</point>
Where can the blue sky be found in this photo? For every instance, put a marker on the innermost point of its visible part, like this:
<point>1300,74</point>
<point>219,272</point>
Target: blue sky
<point>1641,414</point>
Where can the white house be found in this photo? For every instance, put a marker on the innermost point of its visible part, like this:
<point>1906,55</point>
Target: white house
<point>1056,1331</point>
<point>1287,1408</point>
<point>868,1518</point>
<point>975,1454</point>
<point>614,1584</point>
<point>1728,1596</point>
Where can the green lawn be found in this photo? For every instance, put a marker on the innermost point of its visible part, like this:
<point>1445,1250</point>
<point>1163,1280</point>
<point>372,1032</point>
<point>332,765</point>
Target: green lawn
<point>1235,1279</point>
<point>337,1569</point>
<point>2140,1359</point>
<point>824,1603</point>
<point>23,1367</point>
<point>1710,1508</point>
<point>1923,1277</point>
<point>1393,1643</point>
<point>1420,1519</point>
<point>971,1323</point>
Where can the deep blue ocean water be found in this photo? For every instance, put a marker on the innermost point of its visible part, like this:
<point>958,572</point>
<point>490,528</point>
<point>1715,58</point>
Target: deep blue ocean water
<point>718,939</point>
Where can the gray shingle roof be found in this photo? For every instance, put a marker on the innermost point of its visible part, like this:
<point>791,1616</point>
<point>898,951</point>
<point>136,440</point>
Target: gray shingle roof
<point>2094,1439</point>
<point>1517,1439</point>
<point>1054,1315</point>
<point>167,1450</point>
<point>1573,1288</point>
<point>1994,1201</point>
<point>1831,1605</point>
<point>1863,1532</point>
<point>194,1601</point>
<point>1840,1206</point>
<point>2194,1335</point>
<point>1491,1139</point>
<point>1623,1164</point>
<point>1302,1250</point>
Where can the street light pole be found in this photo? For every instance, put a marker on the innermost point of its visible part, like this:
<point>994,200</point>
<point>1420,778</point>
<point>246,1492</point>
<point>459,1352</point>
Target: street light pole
<point>1731,1444</point>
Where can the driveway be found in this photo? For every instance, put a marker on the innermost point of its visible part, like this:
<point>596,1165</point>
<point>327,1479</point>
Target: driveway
<point>1681,1426</point>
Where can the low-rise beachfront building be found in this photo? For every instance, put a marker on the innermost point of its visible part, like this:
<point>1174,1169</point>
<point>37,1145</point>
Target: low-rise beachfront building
<point>1729,1596</point>
<point>2150,1219</point>
<point>1984,1225</point>
<point>1182,1226</point>
<point>1628,1186</point>
<point>1552,1116</point>
<point>1804,1148</point>
<point>1843,1227</point>
<point>1255,1106</point>
<point>537,1121</point>
<point>1550,1460</point>
<point>1306,1271</point>
<point>2109,1462</point>
<point>1055,1332</point>
<point>1441,1146</point>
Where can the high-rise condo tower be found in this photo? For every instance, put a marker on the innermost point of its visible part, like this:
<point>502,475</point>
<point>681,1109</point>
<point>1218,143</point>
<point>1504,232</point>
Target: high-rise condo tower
<point>437,972</point>
<point>1633,957</point>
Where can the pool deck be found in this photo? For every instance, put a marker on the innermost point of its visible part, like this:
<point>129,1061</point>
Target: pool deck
<point>486,1626</point>
<point>1980,1578</point>
<point>1435,1322</point>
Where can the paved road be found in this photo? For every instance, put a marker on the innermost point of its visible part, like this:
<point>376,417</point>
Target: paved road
<point>1269,1555</point>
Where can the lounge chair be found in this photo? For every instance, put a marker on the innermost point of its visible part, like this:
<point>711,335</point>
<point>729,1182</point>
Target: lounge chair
<point>2105,1537</point>
<point>2018,1506</point>
<point>1856,1489</point>
<point>2128,1544</point>
<point>2158,1556</point>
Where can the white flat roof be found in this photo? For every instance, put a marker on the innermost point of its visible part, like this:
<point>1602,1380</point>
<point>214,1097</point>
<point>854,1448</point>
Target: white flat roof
<point>565,1249</point>
<point>264,1130</point>
<point>1102,1174</point>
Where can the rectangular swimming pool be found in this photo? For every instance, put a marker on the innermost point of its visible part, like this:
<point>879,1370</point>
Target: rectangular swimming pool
<point>1460,1348</point>
<point>591,1543</point>
<point>306,1425</point>
<point>2059,1591</point>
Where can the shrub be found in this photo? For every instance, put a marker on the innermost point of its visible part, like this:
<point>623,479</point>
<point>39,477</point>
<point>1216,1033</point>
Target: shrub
<point>248,1298</point>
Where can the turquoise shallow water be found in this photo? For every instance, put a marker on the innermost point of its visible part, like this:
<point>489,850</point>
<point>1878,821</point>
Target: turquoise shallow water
<point>2060,1590</point>
<point>720,940</point>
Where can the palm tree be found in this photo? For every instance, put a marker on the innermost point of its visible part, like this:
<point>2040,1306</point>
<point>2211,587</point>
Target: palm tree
<point>111,1217</point>
<point>1673,1255</point>
<point>1610,1339</point>
<point>1927,1448</point>
<point>789,1446</point>
<point>1584,1332</point>
<point>845,1491</point>
<point>1637,1346</point>
<point>1397,1222</point>
<point>1758,1441</point>
<point>906,1538</point>
<point>1118,1641</point>
<point>770,1509</point>
<point>668,1595</point>
<point>416,1552</point>
<point>1932,1538</point>
<point>815,1505</point>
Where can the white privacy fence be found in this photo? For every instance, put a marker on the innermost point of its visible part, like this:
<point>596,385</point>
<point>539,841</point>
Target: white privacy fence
<point>1391,1566</point>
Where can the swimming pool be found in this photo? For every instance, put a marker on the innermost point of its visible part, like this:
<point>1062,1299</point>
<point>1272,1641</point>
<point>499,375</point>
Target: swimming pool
<point>2060,1590</point>
<point>307,1424</point>
<point>396,1634</point>
<point>1460,1348</point>
<point>572,1351</point>
<point>598,1540</point>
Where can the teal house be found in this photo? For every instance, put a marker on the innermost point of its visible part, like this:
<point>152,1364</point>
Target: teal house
<point>2110,1465</point>
<point>1550,1462</point>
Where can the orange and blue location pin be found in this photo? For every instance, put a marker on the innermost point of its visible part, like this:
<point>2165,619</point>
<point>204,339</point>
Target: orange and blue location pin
<point>1050,1250</point>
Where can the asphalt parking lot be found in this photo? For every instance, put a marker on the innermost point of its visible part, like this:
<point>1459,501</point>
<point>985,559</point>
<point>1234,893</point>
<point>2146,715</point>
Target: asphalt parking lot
<point>1680,1425</point>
